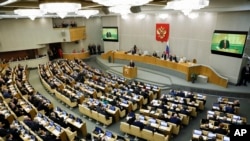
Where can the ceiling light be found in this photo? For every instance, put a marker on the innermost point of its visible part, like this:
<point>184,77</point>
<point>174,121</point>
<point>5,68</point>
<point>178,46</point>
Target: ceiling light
<point>60,8</point>
<point>121,9</point>
<point>186,6</point>
<point>121,6</point>
<point>87,13</point>
<point>122,2</point>
<point>7,2</point>
<point>31,13</point>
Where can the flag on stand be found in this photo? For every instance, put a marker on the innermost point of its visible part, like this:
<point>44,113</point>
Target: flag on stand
<point>167,49</point>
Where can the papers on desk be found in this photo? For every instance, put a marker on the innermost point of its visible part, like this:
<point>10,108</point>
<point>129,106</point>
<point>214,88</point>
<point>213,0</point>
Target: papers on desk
<point>111,111</point>
<point>163,128</point>
<point>152,112</point>
<point>154,125</point>
<point>77,124</point>
<point>124,105</point>
<point>56,132</point>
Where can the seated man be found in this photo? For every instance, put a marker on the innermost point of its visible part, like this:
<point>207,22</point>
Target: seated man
<point>138,123</point>
<point>131,63</point>
<point>175,119</point>
<point>229,109</point>
<point>155,54</point>
<point>130,117</point>
<point>221,129</point>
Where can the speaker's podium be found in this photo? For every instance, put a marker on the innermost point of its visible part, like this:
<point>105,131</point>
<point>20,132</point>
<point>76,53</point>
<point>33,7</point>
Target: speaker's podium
<point>129,72</point>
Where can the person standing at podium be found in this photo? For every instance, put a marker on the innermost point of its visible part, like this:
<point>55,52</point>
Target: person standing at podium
<point>131,63</point>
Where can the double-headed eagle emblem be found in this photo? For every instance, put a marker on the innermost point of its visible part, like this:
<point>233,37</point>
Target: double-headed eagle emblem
<point>161,32</point>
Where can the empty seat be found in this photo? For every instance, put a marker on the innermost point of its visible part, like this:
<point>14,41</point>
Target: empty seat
<point>135,130</point>
<point>125,127</point>
<point>160,137</point>
<point>147,134</point>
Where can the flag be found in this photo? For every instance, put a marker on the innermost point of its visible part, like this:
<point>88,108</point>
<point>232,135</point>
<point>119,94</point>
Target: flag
<point>162,32</point>
<point>167,49</point>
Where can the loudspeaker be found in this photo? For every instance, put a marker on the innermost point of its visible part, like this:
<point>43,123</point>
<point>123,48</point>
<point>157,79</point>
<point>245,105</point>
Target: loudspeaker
<point>135,9</point>
<point>105,10</point>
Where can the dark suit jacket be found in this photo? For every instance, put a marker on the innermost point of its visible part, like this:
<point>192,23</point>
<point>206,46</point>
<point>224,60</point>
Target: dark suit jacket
<point>220,131</point>
<point>224,44</point>
<point>3,132</point>
<point>131,64</point>
<point>164,56</point>
<point>175,120</point>
<point>139,124</point>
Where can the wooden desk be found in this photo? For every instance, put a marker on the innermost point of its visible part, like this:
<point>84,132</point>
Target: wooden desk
<point>186,68</point>
<point>72,56</point>
<point>129,72</point>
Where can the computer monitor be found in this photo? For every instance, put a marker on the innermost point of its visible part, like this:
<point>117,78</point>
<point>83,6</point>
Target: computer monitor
<point>225,138</point>
<point>211,135</point>
<point>79,120</point>
<point>58,128</point>
<point>151,120</point>
<point>71,116</point>
<point>197,132</point>
<point>236,117</point>
<point>124,101</point>
<point>163,123</point>
<point>51,123</point>
<point>141,117</point>
<point>210,112</point>
<point>45,119</point>
<point>98,130</point>
<point>58,109</point>
<point>216,104</point>
<point>39,115</point>
<point>32,137</point>
<point>64,113</point>
<point>108,134</point>
<point>112,108</point>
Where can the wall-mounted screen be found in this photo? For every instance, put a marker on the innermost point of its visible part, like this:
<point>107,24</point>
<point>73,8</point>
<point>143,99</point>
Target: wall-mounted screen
<point>110,34</point>
<point>229,43</point>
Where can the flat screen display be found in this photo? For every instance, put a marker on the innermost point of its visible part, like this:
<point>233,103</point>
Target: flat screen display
<point>110,34</point>
<point>229,43</point>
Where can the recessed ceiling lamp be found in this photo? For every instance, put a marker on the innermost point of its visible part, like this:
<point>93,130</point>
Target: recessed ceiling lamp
<point>186,6</point>
<point>60,8</point>
<point>122,2</point>
<point>87,13</point>
<point>121,9</point>
<point>31,13</point>
<point>121,6</point>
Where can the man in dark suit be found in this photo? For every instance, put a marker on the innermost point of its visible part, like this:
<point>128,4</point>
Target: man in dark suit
<point>150,128</point>
<point>229,109</point>
<point>3,131</point>
<point>224,44</point>
<point>138,123</point>
<point>131,63</point>
<point>221,129</point>
<point>175,119</point>
<point>244,76</point>
<point>130,117</point>
<point>164,55</point>
<point>47,136</point>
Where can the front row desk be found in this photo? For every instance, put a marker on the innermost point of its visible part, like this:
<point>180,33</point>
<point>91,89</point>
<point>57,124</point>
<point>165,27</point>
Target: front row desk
<point>129,72</point>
